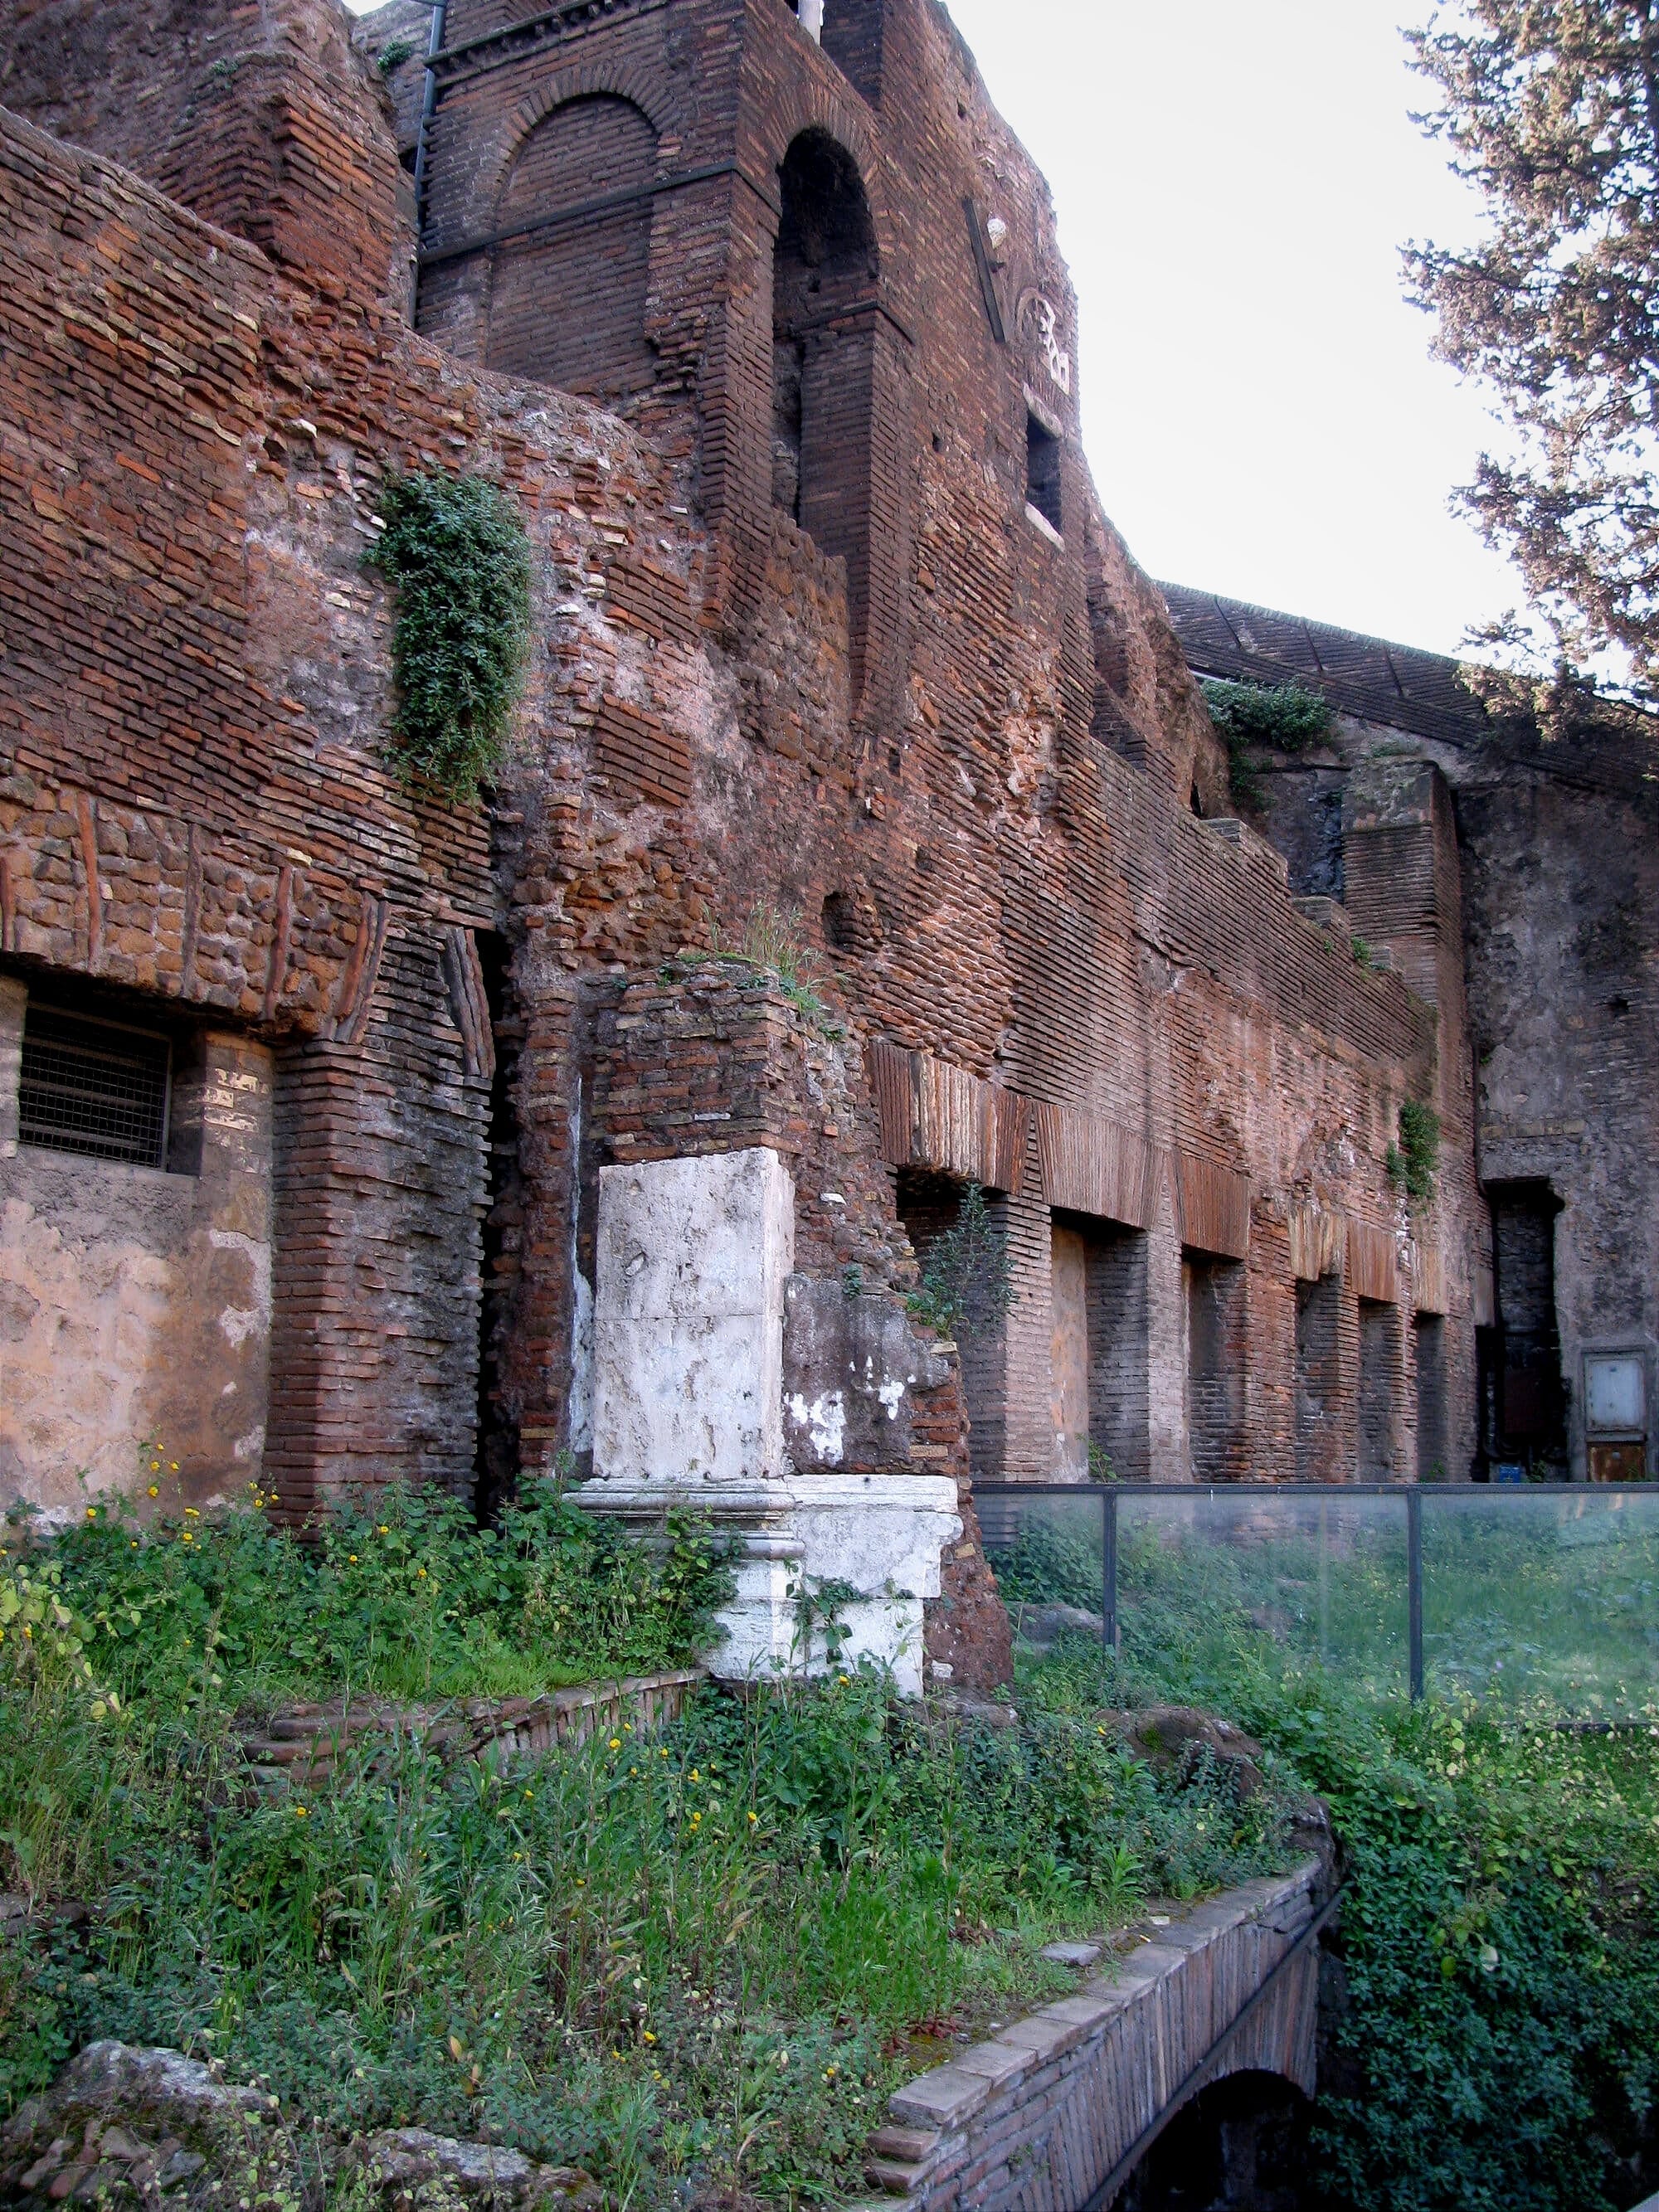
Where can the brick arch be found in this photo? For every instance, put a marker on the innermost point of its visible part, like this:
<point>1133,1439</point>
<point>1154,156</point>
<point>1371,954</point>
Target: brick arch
<point>640,87</point>
<point>815,107</point>
<point>569,302</point>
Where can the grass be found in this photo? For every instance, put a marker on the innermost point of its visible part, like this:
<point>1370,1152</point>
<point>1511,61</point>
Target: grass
<point>702,1959</point>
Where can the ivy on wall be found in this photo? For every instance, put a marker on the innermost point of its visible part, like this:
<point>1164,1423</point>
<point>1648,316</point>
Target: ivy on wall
<point>456,553</point>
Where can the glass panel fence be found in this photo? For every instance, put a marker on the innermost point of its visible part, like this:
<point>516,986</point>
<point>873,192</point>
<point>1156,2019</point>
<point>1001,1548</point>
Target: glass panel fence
<point>1316,1578</point>
<point>1048,1550</point>
<point>1544,1594</point>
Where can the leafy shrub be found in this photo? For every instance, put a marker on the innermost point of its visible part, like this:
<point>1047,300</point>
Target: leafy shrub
<point>1498,2045</point>
<point>1282,716</point>
<point>1048,1565</point>
<point>455,551</point>
<point>400,1593</point>
<point>967,1274</point>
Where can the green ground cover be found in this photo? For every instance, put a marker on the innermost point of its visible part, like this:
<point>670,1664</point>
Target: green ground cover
<point>700,1960</point>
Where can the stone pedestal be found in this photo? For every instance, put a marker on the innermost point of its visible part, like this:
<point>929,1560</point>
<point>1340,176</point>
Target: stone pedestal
<point>695,1255</point>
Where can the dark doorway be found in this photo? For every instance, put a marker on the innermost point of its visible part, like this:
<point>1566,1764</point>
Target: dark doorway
<point>1318,1379</point>
<point>1215,1292</point>
<point>1524,1401</point>
<point>1433,1428</point>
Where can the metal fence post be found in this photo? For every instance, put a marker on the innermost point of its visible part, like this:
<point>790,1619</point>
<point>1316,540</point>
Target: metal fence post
<point>1415,1583</point>
<point>1108,1568</point>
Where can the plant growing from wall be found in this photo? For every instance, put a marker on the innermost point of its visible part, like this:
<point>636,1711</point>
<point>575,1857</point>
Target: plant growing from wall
<point>1282,717</point>
<point>966,1274</point>
<point>455,551</point>
<point>393,55</point>
<point>1412,1162</point>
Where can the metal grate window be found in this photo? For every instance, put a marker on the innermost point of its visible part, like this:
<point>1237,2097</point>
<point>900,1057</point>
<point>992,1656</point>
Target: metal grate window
<point>94,1088</point>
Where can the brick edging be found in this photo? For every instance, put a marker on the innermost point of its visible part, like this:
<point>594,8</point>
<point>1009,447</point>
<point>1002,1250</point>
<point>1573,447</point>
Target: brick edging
<point>1071,2087</point>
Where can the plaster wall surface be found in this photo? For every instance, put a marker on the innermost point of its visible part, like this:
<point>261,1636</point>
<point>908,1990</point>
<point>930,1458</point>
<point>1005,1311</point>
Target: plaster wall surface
<point>135,1304</point>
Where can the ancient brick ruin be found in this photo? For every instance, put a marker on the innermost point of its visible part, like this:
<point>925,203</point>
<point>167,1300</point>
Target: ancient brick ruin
<point>760,318</point>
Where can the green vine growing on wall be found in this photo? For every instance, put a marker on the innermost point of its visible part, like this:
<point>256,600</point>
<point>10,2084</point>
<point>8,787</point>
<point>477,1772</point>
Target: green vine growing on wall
<point>456,553</point>
<point>1282,716</point>
<point>1412,1162</point>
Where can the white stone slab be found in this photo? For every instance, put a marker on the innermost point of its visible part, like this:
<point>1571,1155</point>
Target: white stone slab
<point>688,1323</point>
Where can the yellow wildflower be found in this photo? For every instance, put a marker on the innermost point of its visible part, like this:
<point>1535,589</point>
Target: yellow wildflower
<point>154,1490</point>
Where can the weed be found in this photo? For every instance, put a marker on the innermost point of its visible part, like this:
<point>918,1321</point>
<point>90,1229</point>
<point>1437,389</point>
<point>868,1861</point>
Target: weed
<point>1248,716</point>
<point>1412,1163</point>
<point>698,1958</point>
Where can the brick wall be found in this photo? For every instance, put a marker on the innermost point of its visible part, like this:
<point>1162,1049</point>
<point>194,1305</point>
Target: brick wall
<point>962,753</point>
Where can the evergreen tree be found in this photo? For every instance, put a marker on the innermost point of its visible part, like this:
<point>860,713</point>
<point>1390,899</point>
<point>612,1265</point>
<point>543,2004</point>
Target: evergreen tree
<point>1551,109</point>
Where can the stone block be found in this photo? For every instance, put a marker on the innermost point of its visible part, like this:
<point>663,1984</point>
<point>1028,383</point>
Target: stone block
<point>944,2099</point>
<point>705,1237</point>
<point>1042,2037</point>
<point>998,2062</point>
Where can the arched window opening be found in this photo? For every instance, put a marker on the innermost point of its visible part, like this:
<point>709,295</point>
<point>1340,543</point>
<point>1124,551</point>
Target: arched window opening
<point>823,298</point>
<point>567,300</point>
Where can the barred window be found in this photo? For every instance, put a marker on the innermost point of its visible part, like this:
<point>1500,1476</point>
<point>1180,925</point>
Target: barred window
<point>93,1087</point>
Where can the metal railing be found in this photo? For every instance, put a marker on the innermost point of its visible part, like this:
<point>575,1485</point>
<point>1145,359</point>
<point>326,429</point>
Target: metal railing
<point>1548,1593</point>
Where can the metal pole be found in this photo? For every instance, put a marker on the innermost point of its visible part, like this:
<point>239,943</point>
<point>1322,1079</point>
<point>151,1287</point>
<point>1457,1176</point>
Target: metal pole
<point>1108,1568</point>
<point>1414,1582</point>
<point>434,46</point>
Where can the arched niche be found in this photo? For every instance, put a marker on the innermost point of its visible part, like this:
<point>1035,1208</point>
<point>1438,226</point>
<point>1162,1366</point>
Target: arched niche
<point>825,277</point>
<point>567,295</point>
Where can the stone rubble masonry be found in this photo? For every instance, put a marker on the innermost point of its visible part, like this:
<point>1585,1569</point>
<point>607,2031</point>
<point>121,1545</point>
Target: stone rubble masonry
<point>1039,2116</point>
<point>960,751</point>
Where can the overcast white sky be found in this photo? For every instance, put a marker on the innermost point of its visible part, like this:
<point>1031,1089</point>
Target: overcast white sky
<point>1234,178</point>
